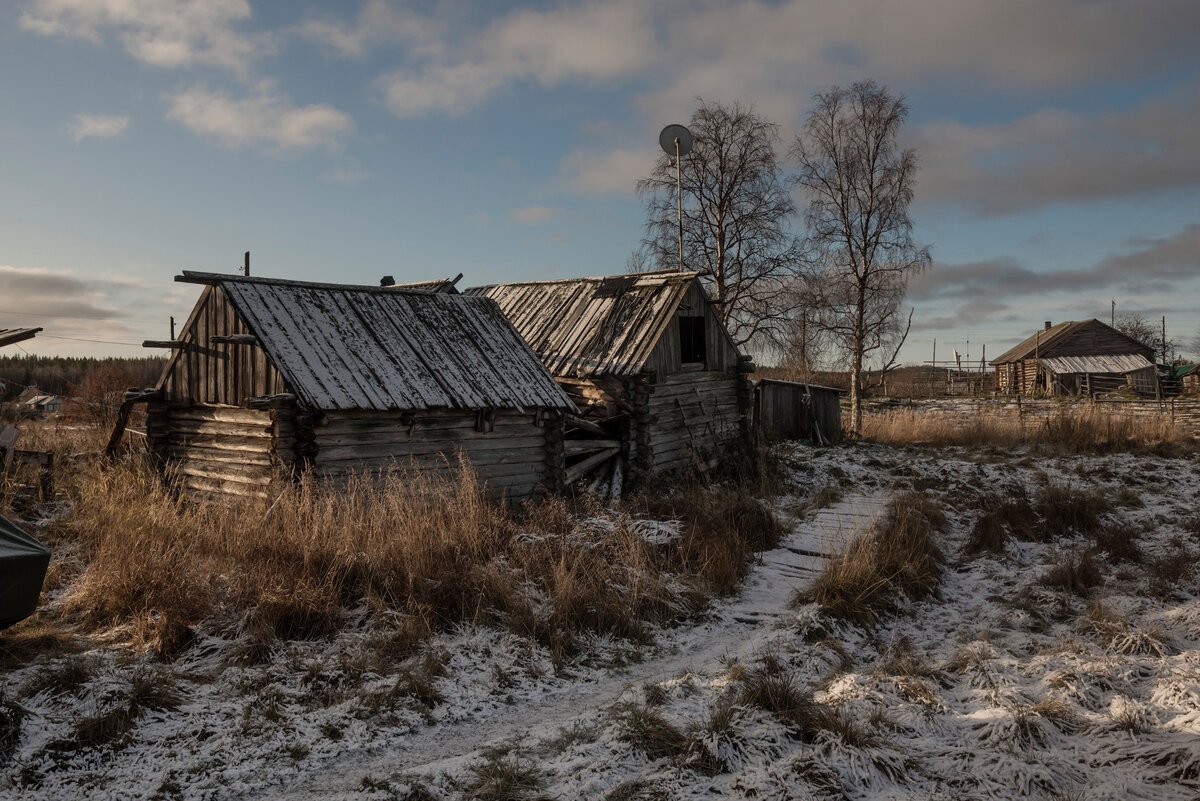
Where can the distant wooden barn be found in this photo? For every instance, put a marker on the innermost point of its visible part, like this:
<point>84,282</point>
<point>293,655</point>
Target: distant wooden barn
<point>658,379</point>
<point>1076,358</point>
<point>269,377</point>
<point>1189,379</point>
<point>795,410</point>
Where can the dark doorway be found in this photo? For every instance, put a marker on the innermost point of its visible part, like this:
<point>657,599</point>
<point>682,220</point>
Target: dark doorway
<point>691,340</point>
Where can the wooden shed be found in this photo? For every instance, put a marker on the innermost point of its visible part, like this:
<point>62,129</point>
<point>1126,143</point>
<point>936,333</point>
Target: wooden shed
<point>795,410</point>
<point>1076,358</point>
<point>269,377</point>
<point>657,378</point>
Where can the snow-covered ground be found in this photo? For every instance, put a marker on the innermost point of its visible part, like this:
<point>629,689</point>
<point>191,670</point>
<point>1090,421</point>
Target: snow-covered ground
<point>999,688</point>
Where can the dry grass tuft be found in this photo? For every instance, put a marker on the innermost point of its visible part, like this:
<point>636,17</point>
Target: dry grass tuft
<point>1005,516</point>
<point>1074,572</point>
<point>771,687</point>
<point>897,557</point>
<point>1079,429</point>
<point>1067,510</point>
<point>12,715</point>
<point>647,730</point>
<point>61,680</point>
<point>503,777</point>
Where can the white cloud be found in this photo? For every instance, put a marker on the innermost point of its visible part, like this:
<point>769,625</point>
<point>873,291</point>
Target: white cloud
<point>380,22</point>
<point>608,171</point>
<point>264,117</point>
<point>163,33</point>
<point>532,214</point>
<point>1054,156</point>
<point>101,126</point>
<point>778,54</point>
<point>594,42</point>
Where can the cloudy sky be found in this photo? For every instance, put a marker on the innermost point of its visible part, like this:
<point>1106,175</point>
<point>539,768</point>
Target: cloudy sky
<point>343,141</point>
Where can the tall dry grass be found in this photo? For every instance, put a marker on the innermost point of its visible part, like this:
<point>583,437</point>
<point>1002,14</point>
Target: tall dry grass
<point>420,551</point>
<point>1072,430</point>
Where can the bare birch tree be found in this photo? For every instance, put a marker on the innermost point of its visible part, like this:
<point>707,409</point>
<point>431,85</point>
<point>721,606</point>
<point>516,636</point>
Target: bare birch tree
<point>736,216</point>
<point>859,185</point>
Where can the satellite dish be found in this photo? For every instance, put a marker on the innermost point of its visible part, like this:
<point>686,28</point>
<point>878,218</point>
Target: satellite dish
<point>668,137</point>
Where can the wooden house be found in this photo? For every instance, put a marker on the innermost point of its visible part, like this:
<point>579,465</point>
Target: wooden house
<point>1081,357</point>
<point>270,377</point>
<point>795,410</point>
<point>1189,380</point>
<point>658,380</point>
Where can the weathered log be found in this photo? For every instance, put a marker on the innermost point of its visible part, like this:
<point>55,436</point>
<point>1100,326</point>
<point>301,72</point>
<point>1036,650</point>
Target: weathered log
<point>577,471</point>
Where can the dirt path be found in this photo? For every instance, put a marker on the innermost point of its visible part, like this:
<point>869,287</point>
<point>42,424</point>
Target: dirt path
<point>738,627</point>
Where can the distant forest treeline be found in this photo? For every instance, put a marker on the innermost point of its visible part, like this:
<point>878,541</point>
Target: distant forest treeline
<point>54,374</point>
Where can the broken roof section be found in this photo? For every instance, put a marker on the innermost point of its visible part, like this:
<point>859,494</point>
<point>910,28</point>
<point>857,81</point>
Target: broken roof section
<point>344,347</point>
<point>10,336</point>
<point>592,326</point>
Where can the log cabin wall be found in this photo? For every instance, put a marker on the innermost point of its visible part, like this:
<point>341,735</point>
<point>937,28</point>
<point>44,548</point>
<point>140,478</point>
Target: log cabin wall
<point>510,456</point>
<point>693,417</point>
<point>222,373</point>
<point>219,450</point>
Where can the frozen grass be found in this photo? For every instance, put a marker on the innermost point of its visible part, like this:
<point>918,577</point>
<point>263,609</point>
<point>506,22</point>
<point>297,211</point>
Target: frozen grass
<point>1073,430</point>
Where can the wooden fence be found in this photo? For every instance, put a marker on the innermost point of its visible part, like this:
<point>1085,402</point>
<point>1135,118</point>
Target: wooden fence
<point>1184,412</point>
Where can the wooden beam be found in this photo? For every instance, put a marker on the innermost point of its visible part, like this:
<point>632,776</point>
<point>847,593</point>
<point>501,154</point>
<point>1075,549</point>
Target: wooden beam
<point>571,421</point>
<point>574,447</point>
<point>577,471</point>
<point>235,339</point>
<point>164,343</point>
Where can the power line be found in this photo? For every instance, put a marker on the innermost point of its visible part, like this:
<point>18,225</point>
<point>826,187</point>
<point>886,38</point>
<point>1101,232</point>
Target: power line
<point>97,341</point>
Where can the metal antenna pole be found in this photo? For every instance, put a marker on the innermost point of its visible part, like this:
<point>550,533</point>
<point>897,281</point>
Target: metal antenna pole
<point>679,201</point>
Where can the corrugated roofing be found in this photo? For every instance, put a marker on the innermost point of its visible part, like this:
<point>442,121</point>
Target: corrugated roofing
<point>9,336</point>
<point>348,347</point>
<point>592,326</point>
<point>1119,364</point>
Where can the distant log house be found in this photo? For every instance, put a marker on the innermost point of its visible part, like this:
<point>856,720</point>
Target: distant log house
<point>655,373</point>
<point>1082,357</point>
<point>270,377</point>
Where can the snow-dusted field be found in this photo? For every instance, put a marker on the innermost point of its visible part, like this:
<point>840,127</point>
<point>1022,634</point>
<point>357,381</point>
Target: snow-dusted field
<point>1000,688</point>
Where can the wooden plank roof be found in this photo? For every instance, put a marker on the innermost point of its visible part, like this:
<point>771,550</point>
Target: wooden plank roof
<point>607,325</point>
<point>9,336</point>
<point>1103,364</point>
<point>344,347</point>
<point>1043,341</point>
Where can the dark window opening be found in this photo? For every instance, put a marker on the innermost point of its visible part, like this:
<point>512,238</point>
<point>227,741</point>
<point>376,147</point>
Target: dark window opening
<point>691,340</point>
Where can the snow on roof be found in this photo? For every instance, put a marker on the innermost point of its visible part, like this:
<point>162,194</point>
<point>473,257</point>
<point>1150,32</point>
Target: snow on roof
<point>592,326</point>
<point>342,347</point>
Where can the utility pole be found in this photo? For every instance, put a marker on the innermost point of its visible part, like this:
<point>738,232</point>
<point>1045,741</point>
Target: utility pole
<point>246,267</point>
<point>172,328</point>
<point>1113,319</point>
<point>1164,339</point>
